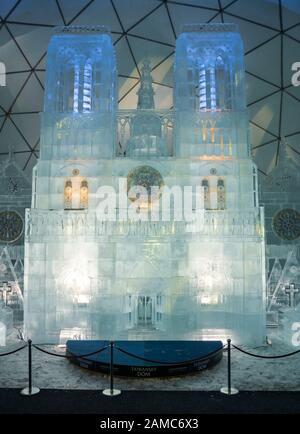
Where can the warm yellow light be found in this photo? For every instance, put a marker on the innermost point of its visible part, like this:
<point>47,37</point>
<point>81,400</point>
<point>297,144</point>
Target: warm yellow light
<point>208,299</point>
<point>212,157</point>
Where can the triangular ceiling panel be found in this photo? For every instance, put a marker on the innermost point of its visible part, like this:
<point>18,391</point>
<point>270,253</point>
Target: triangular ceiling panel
<point>290,50</point>
<point>290,115</point>
<point>26,162</point>
<point>125,85</point>
<point>266,113</point>
<point>144,49</point>
<point>252,34</point>
<point>41,76</point>
<point>9,135</point>
<point>71,8</point>
<point>210,4</point>
<point>181,15</point>
<point>265,157</point>
<point>130,14</point>
<point>126,65</point>
<point>164,72</point>
<point>10,53</point>
<point>99,12</point>
<point>31,97</point>
<point>259,137</point>
<point>2,123</point>
<point>266,14</point>
<point>290,13</point>
<point>8,93</point>
<point>295,31</point>
<point>257,89</point>
<point>161,22</point>
<point>6,6</point>
<point>216,19</point>
<point>32,40</point>
<point>42,63</point>
<point>265,62</point>
<point>294,142</point>
<point>225,3</point>
<point>32,11</point>
<point>294,92</point>
<point>29,124</point>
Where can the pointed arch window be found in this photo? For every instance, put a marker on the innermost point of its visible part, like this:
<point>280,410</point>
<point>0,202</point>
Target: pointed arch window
<point>206,193</point>
<point>87,87</point>
<point>84,195</point>
<point>222,83</point>
<point>202,84</point>
<point>75,86</point>
<point>75,83</point>
<point>76,193</point>
<point>221,194</point>
<point>68,194</point>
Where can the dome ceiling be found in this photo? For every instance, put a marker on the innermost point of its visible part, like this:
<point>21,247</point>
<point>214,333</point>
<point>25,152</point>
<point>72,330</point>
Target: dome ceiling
<point>148,28</point>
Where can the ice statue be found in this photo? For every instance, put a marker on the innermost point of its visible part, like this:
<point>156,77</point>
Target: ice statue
<point>110,251</point>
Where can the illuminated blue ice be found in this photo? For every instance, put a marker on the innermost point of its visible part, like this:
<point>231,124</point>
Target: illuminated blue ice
<point>89,278</point>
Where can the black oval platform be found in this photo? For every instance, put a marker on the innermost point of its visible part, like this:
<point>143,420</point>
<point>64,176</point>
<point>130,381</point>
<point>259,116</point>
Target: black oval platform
<point>165,357</point>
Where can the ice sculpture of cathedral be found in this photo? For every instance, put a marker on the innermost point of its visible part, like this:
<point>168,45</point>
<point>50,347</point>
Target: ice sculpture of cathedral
<point>135,278</point>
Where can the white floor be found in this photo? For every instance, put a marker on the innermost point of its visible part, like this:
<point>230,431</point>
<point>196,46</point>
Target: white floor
<point>248,373</point>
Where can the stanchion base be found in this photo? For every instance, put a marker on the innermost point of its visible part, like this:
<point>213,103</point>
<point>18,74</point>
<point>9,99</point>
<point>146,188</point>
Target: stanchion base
<point>29,392</point>
<point>113,392</point>
<point>182,355</point>
<point>225,390</point>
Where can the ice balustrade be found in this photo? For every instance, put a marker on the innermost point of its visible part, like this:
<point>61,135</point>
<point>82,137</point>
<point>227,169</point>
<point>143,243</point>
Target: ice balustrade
<point>82,223</point>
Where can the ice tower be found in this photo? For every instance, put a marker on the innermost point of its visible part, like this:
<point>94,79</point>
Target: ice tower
<point>77,141</point>
<point>125,277</point>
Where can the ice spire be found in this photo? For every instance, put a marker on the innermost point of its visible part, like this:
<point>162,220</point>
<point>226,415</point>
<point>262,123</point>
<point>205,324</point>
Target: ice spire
<point>146,92</point>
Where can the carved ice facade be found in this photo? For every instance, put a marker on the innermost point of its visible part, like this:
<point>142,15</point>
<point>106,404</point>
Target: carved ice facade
<point>279,192</point>
<point>92,278</point>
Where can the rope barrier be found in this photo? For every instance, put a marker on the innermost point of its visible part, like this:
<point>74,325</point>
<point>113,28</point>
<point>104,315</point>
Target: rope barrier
<point>149,360</point>
<point>64,356</point>
<point>13,351</point>
<point>71,356</point>
<point>266,357</point>
<point>47,344</point>
<point>184,362</point>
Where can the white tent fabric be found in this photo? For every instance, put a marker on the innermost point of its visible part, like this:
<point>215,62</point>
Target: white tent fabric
<point>148,28</point>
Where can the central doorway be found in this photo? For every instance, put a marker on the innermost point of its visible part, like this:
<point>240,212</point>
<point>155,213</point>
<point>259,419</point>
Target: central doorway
<point>145,310</point>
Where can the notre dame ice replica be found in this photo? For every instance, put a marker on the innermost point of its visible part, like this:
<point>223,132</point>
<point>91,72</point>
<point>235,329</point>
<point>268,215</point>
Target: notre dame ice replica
<point>122,273</point>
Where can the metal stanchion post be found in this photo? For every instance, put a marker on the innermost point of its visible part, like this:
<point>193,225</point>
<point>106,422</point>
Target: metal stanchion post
<point>28,391</point>
<point>229,390</point>
<point>111,391</point>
